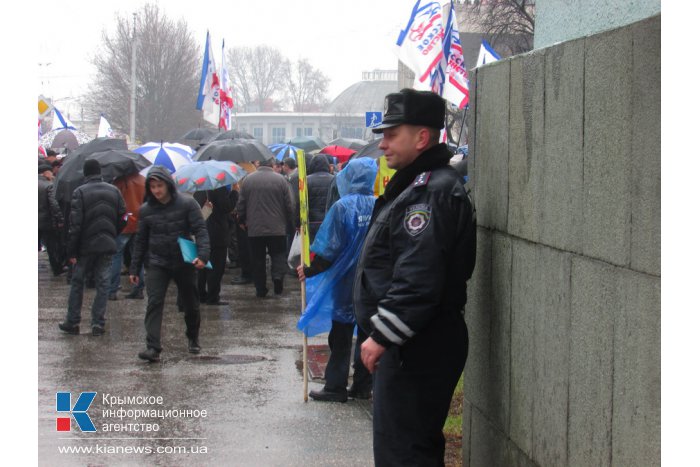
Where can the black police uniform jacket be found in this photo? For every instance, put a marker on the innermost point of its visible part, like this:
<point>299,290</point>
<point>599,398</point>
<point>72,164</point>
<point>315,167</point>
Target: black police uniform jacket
<point>418,253</point>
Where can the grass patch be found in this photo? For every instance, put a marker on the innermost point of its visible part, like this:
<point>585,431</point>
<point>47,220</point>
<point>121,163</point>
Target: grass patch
<point>453,427</point>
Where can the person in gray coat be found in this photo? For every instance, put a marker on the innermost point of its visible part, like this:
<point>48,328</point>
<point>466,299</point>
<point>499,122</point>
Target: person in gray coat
<point>264,210</point>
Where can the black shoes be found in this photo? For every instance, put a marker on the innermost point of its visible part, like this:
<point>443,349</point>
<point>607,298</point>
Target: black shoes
<point>278,286</point>
<point>217,303</point>
<point>112,296</point>
<point>69,328</point>
<point>241,280</point>
<point>193,346</point>
<point>135,294</point>
<point>329,396</point>
<point>98,330</point>
<point>355,393</point>
<point>261,293</point>
<point>152,355</point>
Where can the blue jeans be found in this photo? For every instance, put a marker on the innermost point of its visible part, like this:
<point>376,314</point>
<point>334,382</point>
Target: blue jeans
<point>100,265</point>
<point>116,268</point>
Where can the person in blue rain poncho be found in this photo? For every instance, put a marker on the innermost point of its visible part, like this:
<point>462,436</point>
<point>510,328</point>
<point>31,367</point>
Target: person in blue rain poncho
<point>329,281</point>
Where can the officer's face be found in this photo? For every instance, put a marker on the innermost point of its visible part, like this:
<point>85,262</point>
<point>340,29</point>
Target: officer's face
<point>401,145</point>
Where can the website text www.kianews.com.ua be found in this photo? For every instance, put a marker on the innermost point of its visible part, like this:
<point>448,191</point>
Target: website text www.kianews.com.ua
<point>109,449</point>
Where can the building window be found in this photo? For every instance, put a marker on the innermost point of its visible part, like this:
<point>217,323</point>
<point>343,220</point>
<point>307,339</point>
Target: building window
<point>306,131</point>
<point>348,132</point>
<point>258,133</point>
<point>278,135</point>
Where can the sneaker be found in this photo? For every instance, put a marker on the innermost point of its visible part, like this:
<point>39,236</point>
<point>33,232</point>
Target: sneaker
<point>135,294</point>
<point>152,355</point>
<point>98,330</point>
<point>278,286</point>
<point>69,328</point>
<point>354,393</point>
<point>241,280</point>
<point>112,297</point>
<point>328,396</point>
<point>193,346</point>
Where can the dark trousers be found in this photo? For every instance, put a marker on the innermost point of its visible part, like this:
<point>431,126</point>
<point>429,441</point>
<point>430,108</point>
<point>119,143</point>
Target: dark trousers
<point>209,280</point>
<point>244,253</point>
<point>99,264</point>
<point>157,281</point>
<point>413,387</point>
<point>340,344</point>
<point>51,239</point>
<point>276,246</point>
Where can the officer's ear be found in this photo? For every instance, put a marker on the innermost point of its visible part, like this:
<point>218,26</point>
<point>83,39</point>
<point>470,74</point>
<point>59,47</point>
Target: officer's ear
<point>424,139</point>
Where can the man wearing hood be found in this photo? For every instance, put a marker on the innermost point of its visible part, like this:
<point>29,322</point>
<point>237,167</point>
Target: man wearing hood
<point>330,278</point>
<point>163,218</point>
<point>410,285</point>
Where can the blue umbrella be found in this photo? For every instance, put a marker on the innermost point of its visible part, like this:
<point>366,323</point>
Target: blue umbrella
<point>207,175</point>
<point>282,151</point>
<point>172,156</point>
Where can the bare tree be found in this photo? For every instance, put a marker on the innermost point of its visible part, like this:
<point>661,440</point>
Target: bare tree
<point>256,77</point>
<point>167,76</point>
<point>510,24</point>
<point>306,86</point>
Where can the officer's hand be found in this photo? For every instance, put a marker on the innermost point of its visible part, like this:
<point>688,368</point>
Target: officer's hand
<point>134,280</point>
<point>198,263</point>
<point>300,272</point>
<point>370,353</point>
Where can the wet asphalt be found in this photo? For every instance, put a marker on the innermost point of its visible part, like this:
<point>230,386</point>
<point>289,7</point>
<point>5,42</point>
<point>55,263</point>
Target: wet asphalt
<point>247,379</point>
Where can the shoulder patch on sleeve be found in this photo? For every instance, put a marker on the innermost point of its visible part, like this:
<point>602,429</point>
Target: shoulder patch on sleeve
<point>421,179</point>
<point>417,218</point>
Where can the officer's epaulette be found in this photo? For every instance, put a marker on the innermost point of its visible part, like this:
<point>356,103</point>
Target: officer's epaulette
<point>421,179</point>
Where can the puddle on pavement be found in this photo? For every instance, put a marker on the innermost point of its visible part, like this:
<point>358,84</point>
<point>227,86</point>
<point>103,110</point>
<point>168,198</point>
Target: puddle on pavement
<point>227,359</point>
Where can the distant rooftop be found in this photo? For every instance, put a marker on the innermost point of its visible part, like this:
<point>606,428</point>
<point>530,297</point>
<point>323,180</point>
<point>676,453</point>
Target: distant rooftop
<point>366,95</point>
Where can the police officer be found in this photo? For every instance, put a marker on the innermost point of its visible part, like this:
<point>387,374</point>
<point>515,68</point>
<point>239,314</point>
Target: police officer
<point>410,284</point>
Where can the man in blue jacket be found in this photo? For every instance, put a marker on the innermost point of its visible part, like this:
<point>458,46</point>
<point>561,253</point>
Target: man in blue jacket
<point>163,218</point>
<point>97,215</point>
<point>329,285</point>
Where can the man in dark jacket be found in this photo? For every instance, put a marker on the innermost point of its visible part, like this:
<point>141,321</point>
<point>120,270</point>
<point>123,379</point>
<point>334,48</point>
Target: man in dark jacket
<point>50,219</point>
<point>163,218</point>
<point>209,280</point>
<point>318,181</point>
<point>410,285</point>
<point>264,211</point>
<point>97,215</point>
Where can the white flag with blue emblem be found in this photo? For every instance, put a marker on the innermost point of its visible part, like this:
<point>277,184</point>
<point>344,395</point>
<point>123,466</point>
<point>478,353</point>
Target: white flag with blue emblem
<point>486,54</point>
<point>105,129</point>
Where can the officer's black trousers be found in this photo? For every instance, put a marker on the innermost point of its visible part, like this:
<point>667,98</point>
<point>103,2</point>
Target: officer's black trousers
<point>413,388</point>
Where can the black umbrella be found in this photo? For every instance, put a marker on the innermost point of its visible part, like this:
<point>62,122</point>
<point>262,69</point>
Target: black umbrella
<point>307,143</point>
<point>70,175</point>
<point>199,133</point>
<point>119,162</point>
<point>370,150</point>
<point>235,150</point>
<point>233,134</point>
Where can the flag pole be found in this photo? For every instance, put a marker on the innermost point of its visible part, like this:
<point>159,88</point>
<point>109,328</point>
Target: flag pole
<point>305,260</point>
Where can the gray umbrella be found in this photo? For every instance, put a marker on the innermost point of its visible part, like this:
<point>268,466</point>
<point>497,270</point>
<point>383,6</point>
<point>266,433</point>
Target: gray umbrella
<point>308,143</point>
<point>351,143</point>
<point>235,150</point>
<point>199,134</point>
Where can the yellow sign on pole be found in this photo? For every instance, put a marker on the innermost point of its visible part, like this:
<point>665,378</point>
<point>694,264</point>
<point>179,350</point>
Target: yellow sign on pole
<point>44,107</point>
<point>305,256</point>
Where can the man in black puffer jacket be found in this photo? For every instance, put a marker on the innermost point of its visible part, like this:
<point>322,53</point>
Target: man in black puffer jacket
<point>163,218</point>
<point>318,181</point>
<point>97,215</point>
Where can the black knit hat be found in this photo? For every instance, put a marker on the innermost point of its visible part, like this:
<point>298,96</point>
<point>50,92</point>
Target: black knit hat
<point>91,167</point>
<point>43,167</point>
<point>408,106</point>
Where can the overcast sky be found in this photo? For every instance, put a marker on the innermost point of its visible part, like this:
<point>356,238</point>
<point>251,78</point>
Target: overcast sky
<point>340,37</point>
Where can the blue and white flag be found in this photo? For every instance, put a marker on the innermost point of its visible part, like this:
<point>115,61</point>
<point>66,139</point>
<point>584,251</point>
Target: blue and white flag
<point>450,79</point>
<point>208,98</point>
<point>61,123</point>
<point>486,54</point>
<point>104,130</point>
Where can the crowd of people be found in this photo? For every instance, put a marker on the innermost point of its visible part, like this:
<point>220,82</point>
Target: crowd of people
<point>395,266</point>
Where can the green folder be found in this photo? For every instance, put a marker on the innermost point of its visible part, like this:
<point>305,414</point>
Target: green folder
<point>189,251</point>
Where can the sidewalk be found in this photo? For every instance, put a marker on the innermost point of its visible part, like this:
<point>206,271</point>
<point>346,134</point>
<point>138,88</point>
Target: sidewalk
<point>247,379</point>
